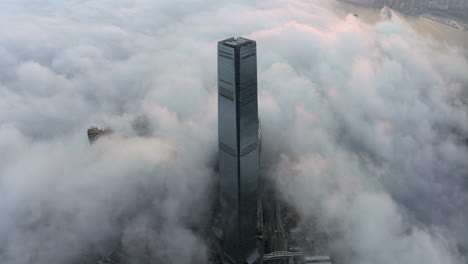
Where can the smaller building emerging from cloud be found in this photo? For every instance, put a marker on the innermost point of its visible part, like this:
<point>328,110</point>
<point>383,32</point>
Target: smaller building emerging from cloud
<point>94,133</point>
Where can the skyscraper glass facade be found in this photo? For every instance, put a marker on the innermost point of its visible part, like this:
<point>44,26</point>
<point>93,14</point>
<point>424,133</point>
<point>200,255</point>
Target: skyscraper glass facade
<point>238,147</point>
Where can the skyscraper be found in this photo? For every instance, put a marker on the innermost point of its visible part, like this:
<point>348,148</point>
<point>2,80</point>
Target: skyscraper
<point>238,127</point>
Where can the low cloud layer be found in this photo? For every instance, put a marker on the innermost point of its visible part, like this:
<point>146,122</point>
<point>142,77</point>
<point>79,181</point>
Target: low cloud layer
<point>365,128</point>
<point>373,139</point>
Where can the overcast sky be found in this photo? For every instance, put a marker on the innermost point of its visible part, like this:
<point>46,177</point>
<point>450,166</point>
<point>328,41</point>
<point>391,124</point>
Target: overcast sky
<point>364,125</point>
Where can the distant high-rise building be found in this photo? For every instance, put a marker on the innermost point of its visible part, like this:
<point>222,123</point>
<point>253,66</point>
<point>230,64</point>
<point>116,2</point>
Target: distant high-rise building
<point>238,127</point>
<point>94,133</point>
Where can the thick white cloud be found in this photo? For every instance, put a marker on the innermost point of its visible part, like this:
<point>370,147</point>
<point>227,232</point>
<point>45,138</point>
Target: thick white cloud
<point>365,125</point>
<point>372,138</point>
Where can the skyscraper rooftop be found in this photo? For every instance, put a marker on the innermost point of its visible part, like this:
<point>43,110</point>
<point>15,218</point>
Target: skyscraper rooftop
<point>236,42</point>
